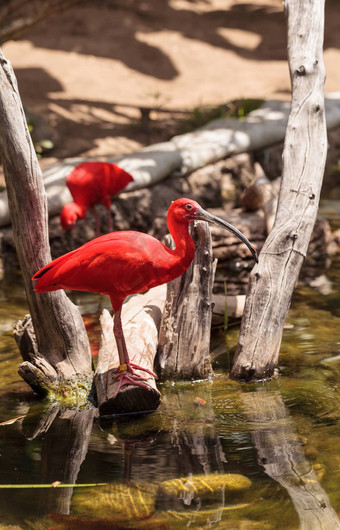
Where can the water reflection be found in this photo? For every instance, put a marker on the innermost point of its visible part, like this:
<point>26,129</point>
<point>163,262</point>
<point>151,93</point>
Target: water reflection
<point>280,440</point>
<point>174,467</point>
<point>279,451</point>
<point>65,439</point>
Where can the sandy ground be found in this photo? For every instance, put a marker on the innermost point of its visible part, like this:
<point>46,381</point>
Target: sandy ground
<point>88,70</point>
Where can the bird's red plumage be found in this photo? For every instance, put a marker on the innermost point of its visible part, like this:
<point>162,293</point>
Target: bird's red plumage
<point>92,183</point>
<point>120,263</point>
<point>123,263</point>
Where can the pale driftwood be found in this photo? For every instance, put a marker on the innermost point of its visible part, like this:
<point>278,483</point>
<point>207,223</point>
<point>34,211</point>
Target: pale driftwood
<point>273,280</point>
<point>225,137</point>
<point>141,317</point>
<point>147,166</point>
<point>185,153</point>
<point>235,307</point>
<point>184,338</point>
<point>280,453</point>
<point>54,317</point>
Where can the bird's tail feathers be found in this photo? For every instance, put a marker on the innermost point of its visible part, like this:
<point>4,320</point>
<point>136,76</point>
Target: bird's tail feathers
<point>45,277</point>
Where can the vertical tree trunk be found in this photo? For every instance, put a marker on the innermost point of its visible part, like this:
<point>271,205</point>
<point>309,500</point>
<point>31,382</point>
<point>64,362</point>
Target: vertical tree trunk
<point>273,279</point>
<point>60,347</point>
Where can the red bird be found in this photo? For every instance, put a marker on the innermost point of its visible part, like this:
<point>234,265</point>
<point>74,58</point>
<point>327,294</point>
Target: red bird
<point>92,183</point>
<point>123,263</point>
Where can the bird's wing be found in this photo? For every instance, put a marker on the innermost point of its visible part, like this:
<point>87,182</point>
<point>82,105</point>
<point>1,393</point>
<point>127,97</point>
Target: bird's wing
<point>124,262</point>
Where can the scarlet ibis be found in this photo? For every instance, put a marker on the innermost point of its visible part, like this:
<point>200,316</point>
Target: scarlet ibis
<point>92,183</point>
<point>123,263</point>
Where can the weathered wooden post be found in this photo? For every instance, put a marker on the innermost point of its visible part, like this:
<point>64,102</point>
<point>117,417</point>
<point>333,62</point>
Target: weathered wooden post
<point>57,349</point>
<point>184,340</point>
<point>273,279</point>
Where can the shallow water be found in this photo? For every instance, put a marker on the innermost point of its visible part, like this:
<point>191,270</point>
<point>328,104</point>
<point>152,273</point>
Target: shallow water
<point>278,441</point>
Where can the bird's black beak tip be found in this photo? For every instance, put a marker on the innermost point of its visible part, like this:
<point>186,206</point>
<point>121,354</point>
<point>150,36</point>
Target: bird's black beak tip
<point>255,254</point>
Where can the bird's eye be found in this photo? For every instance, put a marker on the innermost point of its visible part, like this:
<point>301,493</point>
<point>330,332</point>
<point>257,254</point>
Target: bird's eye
<point>188,206</point>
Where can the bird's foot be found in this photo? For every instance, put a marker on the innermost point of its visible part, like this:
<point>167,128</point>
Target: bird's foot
<point>127,376</point>
<point>134,365</point>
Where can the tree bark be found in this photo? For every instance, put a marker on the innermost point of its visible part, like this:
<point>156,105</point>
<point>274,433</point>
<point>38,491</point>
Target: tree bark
<point>184,338</point>
<point>273,279</point>
<point>18,16</point>
<point>60,336</point>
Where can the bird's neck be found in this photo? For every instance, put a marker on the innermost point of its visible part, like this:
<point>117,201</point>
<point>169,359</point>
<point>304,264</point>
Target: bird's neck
<point>184,252</point>
<point>80,210</point>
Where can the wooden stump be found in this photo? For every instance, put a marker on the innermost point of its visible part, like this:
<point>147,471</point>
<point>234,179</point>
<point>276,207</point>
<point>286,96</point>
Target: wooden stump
<point>141,317</point>
<point>184,339</point>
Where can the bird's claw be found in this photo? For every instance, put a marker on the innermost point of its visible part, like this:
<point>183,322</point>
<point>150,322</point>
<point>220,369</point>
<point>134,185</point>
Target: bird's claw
<point>127,376</point>
<point>134,365</point>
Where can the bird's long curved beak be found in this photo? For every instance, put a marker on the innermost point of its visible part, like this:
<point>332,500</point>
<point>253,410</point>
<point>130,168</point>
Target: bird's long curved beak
<point>203,215</point>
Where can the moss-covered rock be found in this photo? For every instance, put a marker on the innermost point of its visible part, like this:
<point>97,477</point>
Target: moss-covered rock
<point>117,502</point>
<point>203,486</point>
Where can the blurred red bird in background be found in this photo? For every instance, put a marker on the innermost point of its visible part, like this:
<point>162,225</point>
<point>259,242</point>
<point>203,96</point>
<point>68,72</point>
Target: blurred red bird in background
<point>123,263</point>
<point>92,183</point>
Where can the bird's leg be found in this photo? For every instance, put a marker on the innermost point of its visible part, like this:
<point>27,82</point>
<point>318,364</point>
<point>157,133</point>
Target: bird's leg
<point>97,218</point>
<point>69,239</point>
<point>125,371</point>
<point>109,220</point>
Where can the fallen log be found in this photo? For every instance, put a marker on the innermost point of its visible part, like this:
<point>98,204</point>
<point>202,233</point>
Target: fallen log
<point>141,318</point>
<point>262,128</point>
<point>234,305</point>
<point>185,153</point>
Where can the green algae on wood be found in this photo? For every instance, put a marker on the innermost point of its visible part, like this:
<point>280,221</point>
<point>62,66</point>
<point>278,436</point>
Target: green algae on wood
<point>70,392</point>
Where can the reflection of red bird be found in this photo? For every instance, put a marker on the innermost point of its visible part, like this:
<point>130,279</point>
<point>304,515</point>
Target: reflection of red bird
<point>124,263</point>
<point>92,183</point>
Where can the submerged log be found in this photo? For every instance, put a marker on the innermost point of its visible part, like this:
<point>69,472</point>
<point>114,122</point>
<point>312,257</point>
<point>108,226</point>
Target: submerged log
<point>141,317</point>
<point>184,339</point>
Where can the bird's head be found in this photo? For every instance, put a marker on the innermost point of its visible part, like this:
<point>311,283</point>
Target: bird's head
<point>186,210</point>
<point>124,177</point>
<point>69,215</point>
